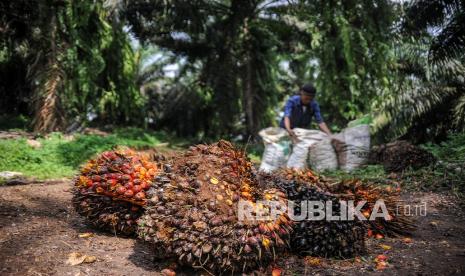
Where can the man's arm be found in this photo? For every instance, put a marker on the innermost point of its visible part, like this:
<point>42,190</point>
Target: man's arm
<point>319,119</point>
<point>287,125</point>
<point>287,118</point>
<point>324,128</point>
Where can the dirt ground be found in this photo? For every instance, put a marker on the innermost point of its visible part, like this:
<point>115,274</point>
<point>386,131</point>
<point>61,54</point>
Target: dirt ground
<point>39,229</point>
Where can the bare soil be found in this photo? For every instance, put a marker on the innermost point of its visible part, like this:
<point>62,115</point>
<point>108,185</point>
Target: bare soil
<point>39,229</point>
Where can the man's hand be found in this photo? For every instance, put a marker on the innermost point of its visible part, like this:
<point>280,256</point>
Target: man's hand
<point>293,136</point>
<point>287,125</point>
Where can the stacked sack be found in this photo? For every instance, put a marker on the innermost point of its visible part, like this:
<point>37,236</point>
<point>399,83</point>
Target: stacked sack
<point>306,138</point>
<point>352,147</point>
<point>346,150</point>
<point>277,148</point>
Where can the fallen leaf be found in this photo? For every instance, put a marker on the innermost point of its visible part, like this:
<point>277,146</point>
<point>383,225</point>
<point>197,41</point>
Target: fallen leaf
<point>434,223</point>
<point>90,259</point>
<point>76,258</point>
<point>86,235</point>
<point>312,261</point>
<point>385,246</point>
<point>276,271</point>
<point>168,272</point>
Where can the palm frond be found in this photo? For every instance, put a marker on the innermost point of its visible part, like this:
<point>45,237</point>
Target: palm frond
<point>459,113</point>
<point>450,42</point>
<point>429,13</point>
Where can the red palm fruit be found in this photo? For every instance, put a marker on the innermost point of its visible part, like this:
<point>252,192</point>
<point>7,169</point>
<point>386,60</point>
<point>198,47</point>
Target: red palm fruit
<point>89,183</point>
<point>96,178</point>
<point>121,190</point>
<point>137,181</point>
<point>144,185</point>
<point>104,185</point>
<point>136,188</point>
<point>126,177</point>
<point>140,196</point>
<point>129,193</point>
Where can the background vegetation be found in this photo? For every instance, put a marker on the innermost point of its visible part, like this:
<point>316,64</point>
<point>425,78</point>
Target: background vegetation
<point>203,70</point>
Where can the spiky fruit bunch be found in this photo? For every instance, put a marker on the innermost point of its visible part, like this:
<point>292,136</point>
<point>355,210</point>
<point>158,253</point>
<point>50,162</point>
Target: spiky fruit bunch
<point>357,190</point>
<point>192,212</point>
<point>110,190</point>
<point>400,155</point>
<point>327,238</point>
<point>305,176</point>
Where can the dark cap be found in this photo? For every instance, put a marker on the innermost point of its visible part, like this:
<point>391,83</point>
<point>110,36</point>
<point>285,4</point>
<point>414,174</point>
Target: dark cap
<point>308,88</point>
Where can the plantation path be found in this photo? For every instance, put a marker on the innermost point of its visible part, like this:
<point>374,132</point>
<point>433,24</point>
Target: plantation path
<point>39,229</point>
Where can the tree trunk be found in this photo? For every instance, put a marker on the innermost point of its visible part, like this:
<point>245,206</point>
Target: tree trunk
<point>47,117</point>
<point>248,99</point>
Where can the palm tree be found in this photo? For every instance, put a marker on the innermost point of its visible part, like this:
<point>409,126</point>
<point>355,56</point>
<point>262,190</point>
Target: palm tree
<point>446,20</point>
<point>427,100</point>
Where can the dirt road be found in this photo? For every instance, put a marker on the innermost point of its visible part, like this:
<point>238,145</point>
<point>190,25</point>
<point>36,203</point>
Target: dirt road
<point>39,229</point>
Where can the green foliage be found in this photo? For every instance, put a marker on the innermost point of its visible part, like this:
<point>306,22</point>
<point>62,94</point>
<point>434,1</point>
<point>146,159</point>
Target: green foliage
<point>447,17</point>
<point>424,102</point>
<point>74,63</point>
<point>76,60</point>
<point>369,172</point>
<point>60,156</point>
<point>450,150</point>
<point>231,73</point>
<point>14,122</point>
<point>351,53</point>
<point>443,177</point>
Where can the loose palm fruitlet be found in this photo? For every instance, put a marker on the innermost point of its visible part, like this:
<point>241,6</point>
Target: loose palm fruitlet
<point>110,190</point>
<point>398,224</point>
<point>192,212</point>
<point>325,238</point>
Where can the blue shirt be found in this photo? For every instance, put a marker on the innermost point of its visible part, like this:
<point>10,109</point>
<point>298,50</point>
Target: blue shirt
<point>299,114</point>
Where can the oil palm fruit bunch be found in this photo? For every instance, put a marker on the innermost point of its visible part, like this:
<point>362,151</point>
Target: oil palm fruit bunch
<point>326,238</point>
<point>192,212</point>
<point>397,224</point>
<point>306,176</point>
<point>400,155</point>
<point>110,190</point>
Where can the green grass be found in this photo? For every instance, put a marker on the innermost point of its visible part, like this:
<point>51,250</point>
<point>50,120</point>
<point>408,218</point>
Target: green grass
<point>369,172</point>
<point>60,157</point>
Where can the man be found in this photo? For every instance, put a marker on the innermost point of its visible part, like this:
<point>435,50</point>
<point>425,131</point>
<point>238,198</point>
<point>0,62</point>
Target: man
<point>300,109</point>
